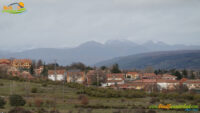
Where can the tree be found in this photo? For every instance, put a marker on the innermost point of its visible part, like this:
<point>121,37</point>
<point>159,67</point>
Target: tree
<point>103,67</point>
<point>77,65</point>
<point>185,73</point>
<point>19,110</point>
<point>2,102</point>
<point>192,75</point>
<point>44,71</point>
<point>39,63</point>
<point>178,74</point>
<point>16,100</point>
<point>31,70</point>
<point>115,69</point>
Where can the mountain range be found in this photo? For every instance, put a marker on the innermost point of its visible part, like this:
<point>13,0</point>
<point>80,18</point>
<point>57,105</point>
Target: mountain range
<point>182,59</point>
<point>93,52</point>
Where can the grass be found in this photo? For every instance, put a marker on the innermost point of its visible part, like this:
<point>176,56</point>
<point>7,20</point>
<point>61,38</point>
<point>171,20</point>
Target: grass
<point>67,101</point>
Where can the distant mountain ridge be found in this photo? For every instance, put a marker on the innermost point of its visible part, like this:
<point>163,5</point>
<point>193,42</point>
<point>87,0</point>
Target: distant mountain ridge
<point>184,59</point>
<point>93,52</point>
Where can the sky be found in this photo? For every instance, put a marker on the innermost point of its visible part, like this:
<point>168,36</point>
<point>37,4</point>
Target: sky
<point>68,23</point>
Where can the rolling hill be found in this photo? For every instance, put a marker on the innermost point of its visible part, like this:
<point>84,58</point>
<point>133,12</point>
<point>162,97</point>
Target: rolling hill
<point>189,59</point>
<point>93,52</point>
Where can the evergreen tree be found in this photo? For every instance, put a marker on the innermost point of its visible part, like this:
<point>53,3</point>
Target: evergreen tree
<point>31,70</point>
<point>44,71</point>
<point>39,63</point>
<point>192,76</point>
<point>178,74</point>
<point>185,73</point>
<point>115,69</point>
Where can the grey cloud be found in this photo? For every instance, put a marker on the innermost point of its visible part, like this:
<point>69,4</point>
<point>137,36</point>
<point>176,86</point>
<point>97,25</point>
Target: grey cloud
<point>65,23</point>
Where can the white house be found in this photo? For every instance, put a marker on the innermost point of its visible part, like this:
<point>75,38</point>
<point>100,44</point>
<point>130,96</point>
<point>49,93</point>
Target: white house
<point>59,75</point>
<point>114,79</point>
<point>167,84</point>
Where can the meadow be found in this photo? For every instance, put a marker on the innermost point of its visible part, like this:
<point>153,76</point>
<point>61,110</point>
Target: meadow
<point>67,99</point>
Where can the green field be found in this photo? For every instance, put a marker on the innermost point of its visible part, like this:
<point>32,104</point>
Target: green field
<point>67,99</point>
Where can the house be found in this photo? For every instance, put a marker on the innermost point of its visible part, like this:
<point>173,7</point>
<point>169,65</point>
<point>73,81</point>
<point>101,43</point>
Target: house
<point>148,76</point>
<point>192,84</point>
<point>167,84</point>
<point>76,76</point>
<point>13,71</point>
<point>22,63</point>
<point>39,70</point>
<point>5,61</point>
<point>143,84</point>
<point>58,75</point>
<point>132,76</point>
<point>168,77</point>
<point>114,79</point>
<point>94,77</point>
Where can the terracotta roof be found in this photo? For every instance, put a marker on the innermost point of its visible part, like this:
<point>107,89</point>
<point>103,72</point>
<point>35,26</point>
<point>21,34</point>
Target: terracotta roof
<point>167,81</point>
<point>145,81</point>
<point>169,76</point>
<point>148,74</point>
<point>192,81</point>
<point>114,81</point>
<point>116,75</point>
<point>79,73</point>
<point>155,80</point>
<point>132,73</point>
<point>52,72</point>
<point>22,61</point>
<point>4,61</point>
<point>183,79</point>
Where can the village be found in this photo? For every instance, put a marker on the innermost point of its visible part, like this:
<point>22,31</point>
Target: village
<point>135,80</point>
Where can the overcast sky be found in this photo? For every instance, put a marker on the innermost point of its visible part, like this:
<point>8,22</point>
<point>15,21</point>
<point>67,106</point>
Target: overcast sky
<point>67,23</point>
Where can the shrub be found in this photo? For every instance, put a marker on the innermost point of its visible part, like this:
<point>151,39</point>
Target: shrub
<point>44,85</point>
<point>140,111</point>
<point>18,110</point>
<point>50,103</point>
<point>16,100</point>
<point>151,111</point>
<point>2,102</point>
<point>154,100</point>
<point>54,111</point>
<point>34,90</point>
<point>1,84</point>
<point>84,100</point>
<point>42,110</point>
<point>38,103</point>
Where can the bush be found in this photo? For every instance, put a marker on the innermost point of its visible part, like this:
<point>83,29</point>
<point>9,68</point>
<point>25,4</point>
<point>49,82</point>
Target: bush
<point>44,85</point>
<point>38,103</point>
<point>151,111</point>
<point>154,100</point>
<point>18,110</point>
<point>34,90</point>
<point>16,100</point>
<point>42,110</point>
<point>1,84</point>
<point>84,100</point>
<point>140,111</point>
<point>2,102</point>
<point>54,111</point>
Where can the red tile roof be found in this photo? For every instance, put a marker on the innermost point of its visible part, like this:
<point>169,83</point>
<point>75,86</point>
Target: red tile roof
<point>4,61</point>
<point>116,75</point>
<point>132,73</point>
<point>52,72</point>
<point>169,76</point>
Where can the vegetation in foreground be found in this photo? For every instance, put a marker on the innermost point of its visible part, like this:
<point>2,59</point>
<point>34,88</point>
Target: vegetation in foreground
<point>46,97</point>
